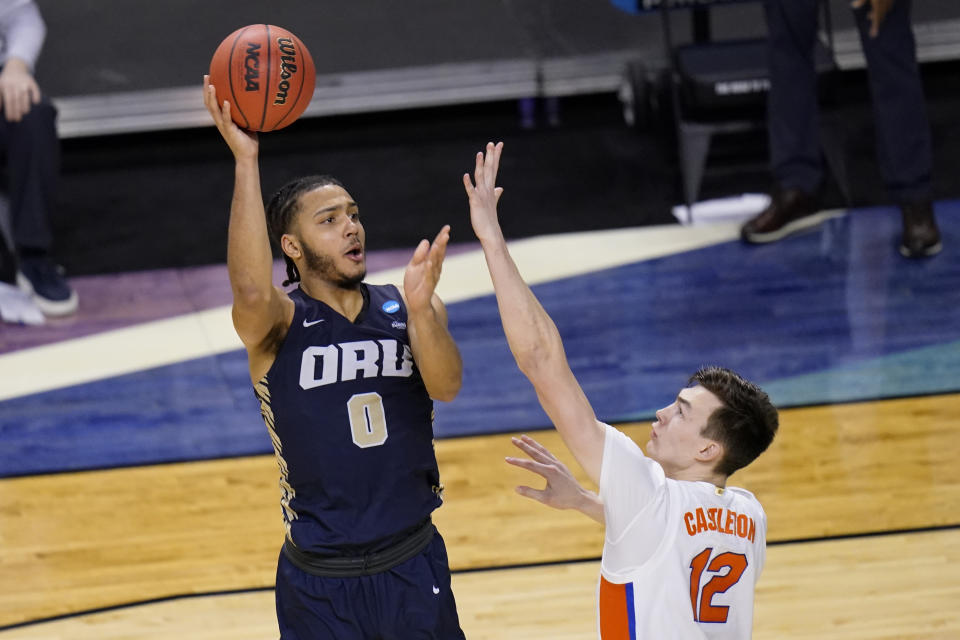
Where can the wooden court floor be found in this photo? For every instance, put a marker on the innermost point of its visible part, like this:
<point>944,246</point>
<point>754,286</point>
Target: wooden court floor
<point>862,499</point>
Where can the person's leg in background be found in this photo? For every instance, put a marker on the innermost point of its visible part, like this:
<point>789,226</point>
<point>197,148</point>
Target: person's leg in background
<point>904,148</point>
<point>33,168</point>
<point>792,122</point>
<point>16,307</point>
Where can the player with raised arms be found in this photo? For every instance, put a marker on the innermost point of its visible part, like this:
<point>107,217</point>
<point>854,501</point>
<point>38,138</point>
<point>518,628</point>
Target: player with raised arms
<point>345,373</point>
<point>682,551</point>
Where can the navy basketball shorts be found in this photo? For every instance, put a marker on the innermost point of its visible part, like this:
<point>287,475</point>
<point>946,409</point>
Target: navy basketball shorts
<point>408,602</point>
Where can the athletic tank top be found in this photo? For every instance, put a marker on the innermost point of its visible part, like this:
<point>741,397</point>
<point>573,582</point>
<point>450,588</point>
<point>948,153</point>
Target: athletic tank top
<point>680,559</point>
<point>351,425</point>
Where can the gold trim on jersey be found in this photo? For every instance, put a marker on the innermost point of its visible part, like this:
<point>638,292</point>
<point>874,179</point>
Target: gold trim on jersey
<point>287,493</point>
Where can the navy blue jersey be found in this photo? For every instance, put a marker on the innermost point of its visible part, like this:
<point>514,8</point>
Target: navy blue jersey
<point>351,424</point>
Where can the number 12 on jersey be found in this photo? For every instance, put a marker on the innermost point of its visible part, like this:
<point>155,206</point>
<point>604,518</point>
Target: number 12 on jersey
<point>701,598</point>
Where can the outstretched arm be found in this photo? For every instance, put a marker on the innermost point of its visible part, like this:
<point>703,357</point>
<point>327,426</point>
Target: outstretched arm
<point>434,350</point>
<point>261,312</point>
<point>562,490</point>
<point>531,334</point>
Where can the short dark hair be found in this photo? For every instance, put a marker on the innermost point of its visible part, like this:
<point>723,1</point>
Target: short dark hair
<point>745,424</point>
<point>282,208</point>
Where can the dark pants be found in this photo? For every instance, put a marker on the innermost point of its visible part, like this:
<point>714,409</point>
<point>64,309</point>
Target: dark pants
<point>902,128</point>
<point>32,153</point>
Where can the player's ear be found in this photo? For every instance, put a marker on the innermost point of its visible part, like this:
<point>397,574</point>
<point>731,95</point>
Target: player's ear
<point>290,246</point>
<point>710,451</point>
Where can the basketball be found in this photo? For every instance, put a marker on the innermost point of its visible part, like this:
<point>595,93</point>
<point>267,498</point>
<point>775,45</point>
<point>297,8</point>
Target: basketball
<point>267,75</point>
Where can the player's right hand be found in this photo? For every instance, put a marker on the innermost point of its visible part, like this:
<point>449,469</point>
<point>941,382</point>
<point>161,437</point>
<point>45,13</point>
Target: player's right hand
<point>562,490</point>
<point>243,143</point>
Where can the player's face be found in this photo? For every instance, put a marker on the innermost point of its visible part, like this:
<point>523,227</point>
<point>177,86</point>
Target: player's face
<point>331,236</point>
<point>675,441</point>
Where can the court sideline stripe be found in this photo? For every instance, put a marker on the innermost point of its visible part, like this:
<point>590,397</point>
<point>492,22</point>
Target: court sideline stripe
<point>508,567</point>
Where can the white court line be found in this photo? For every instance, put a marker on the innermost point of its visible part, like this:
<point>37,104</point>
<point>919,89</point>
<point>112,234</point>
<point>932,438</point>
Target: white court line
<point>205,333</point>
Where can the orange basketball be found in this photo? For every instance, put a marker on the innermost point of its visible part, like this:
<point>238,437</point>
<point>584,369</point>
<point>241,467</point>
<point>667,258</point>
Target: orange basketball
<point>267,75</point>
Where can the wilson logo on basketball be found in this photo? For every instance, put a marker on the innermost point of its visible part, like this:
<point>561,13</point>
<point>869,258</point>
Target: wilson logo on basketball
<point>251,66</point>
<point>288,67</point>
<point>265,73</point>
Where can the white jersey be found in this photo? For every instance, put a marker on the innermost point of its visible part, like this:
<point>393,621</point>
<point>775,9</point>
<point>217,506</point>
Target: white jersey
<point>680,559</point>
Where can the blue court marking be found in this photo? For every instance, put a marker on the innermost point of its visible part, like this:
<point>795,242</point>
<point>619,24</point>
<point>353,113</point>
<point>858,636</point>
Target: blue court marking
<point>928,370</point>
<point>820,302</point>
<point>198,409</point>
<point>821,317</point>
<point>925,371</point>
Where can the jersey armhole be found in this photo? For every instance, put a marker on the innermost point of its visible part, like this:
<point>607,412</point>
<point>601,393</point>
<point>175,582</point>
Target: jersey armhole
<point>298,316</point>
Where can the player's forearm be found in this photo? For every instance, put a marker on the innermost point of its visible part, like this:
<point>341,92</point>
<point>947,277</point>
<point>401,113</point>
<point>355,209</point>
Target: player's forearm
<point>538,350</point>
<point>531,333</point>
<point>249,260</point>
<point>436,354</point>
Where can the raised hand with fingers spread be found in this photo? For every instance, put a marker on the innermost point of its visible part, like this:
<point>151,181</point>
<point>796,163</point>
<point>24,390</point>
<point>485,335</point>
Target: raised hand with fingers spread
<point>433,347</point>
<point>423,271</point>
<point>562,490</point>
<point>484,194</point>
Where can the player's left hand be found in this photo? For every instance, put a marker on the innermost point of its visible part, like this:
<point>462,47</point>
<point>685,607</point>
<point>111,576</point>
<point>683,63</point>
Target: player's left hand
<point>878,11</point>
<point>423,271</point>
<point>484,194</point>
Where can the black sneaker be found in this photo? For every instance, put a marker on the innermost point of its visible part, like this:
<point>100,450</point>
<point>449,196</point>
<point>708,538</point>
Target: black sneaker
<point>44,282</point>
<point>921,237</point>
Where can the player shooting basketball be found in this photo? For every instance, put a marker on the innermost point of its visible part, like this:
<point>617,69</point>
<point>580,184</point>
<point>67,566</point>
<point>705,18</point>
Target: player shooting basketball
<point>345,373</point>
<point>683,551</point>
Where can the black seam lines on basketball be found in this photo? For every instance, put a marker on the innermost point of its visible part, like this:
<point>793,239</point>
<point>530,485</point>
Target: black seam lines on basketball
<point>302,49</point>
<point>266,92</point>
<point>233,96</point>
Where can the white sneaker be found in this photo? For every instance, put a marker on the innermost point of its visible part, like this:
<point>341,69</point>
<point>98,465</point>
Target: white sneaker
<point>17,307</point>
